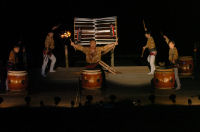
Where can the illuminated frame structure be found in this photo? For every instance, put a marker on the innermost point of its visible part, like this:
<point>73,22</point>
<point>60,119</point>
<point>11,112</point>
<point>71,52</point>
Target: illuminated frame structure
<point>102,30</point>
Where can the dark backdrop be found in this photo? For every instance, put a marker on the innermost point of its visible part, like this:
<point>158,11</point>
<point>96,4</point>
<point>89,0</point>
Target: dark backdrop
<point>30,22</point>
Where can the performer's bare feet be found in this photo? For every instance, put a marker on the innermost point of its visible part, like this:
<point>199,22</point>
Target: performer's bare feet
<point>52,71</point>
<point>178,88</point>
<point>150,73</point>
<point>43,75</point>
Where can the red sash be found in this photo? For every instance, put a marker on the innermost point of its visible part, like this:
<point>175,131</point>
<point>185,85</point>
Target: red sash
<point>91,66</point>
<point>152,53</point>
<point>45,52</point>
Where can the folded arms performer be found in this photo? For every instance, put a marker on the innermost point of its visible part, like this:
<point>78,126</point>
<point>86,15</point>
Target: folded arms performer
<point>173,59</point>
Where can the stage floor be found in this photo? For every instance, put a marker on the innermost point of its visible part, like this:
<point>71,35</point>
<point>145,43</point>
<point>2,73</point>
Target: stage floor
<point>132,83</point>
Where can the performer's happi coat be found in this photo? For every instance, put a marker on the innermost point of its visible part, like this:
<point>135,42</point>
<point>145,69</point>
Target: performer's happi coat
<point>13,58</point>
<point>173,53</point>
<point>93,56</point>
<point>151,44</point>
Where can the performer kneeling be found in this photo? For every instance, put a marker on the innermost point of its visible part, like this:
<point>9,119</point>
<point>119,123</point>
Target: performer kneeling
<point>47,54</point>
<point>94,53</point>
<point>152,51</point>
<point>173,57</point>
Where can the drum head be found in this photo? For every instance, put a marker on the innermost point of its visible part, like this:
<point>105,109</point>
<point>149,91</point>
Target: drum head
<point>185,58</point>
<point>164,70</point>
<point>17,73</point>
<point>91,71</point>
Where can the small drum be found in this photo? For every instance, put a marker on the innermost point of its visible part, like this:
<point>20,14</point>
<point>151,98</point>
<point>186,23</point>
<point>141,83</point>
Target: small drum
<point>186,65</point>
<point>91,79</point>
<point>164,79</point>
<point>17,80</point>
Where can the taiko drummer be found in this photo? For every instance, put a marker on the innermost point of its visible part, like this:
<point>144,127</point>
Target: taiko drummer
<point>13,61</point>
<point>173,57</point>
<point>152,51</point>
<point>94,53</point>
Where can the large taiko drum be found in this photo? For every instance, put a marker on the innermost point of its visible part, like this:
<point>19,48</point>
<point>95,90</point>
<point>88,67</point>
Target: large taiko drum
<point>17,80</point>
<point>164,79</point>
<point>186,65</point>
<point>91,79</point>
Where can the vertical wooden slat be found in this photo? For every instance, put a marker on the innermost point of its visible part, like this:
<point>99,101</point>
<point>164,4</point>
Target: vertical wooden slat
<point>112,58</point>
<point>66,57</point>
<point>74,29</point>
<point>112,52</point>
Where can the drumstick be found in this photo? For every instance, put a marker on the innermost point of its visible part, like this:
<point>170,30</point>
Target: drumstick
<point>55,27</point>
<point>107,67</point>
<point>110,67</point>
<point>142,52</point>
<point>71,41</point>
<point>145,28</point>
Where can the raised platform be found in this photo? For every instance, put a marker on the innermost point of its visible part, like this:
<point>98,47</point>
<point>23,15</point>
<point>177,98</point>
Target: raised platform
<point>133,83</point>
<point>131,76</point>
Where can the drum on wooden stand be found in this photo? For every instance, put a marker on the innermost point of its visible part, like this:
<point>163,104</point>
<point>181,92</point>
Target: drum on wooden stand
<point>91,79</point>
<point>17,80</point>
<point>164,79</point>
<point>186,65</point>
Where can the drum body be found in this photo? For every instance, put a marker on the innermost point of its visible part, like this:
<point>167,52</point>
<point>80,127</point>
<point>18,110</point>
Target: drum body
<point>186,65</point>
<point>164,79</point>
<point>91,79</point>
<point>17,80</point>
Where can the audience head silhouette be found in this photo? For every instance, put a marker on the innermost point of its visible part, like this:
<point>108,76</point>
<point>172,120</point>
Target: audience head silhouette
<point>89,98</point>
<point>57,100</point>
<point>1,100</point>
<point>72,103</point>
<point>27,100</point>
<point>172,97</point>
<point>112,98</point>
<point>41,103</point>
<point>189,102</point>
<point>152,98</point>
